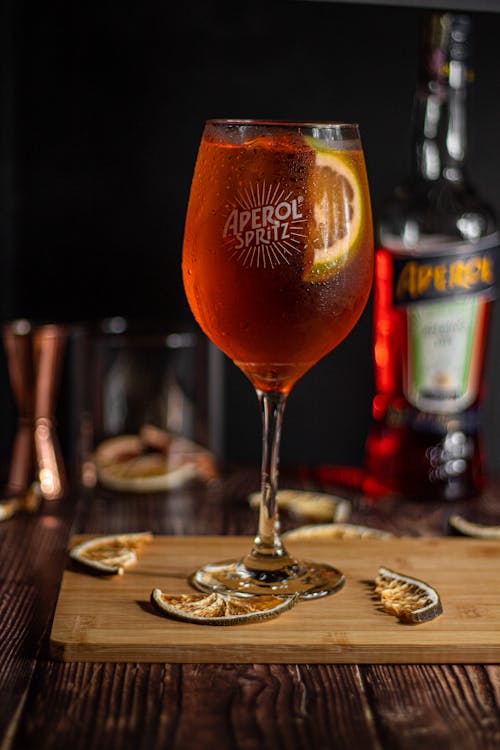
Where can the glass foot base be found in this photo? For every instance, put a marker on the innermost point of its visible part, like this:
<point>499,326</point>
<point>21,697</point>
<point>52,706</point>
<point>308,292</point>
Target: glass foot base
<point>309,580</point>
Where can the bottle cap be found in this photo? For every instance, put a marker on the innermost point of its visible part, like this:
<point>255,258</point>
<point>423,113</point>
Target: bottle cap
<point>446,49</point>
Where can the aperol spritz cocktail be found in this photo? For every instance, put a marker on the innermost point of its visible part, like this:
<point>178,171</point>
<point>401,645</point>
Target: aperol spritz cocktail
<point>277,268</point>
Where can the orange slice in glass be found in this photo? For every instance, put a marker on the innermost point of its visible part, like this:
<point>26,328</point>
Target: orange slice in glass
<point>335,193</point>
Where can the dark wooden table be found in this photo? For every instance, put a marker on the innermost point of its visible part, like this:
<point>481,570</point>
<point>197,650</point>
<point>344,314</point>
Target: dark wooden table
<point>45,704</point>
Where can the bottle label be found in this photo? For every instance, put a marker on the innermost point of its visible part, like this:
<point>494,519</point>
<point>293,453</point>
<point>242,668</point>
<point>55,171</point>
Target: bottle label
<point>433,277</point>
<point>445,298</point>
<point>444,354</point>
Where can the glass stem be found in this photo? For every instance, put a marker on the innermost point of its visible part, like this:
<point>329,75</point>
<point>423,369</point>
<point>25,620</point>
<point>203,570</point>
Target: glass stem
<point>268,552</point>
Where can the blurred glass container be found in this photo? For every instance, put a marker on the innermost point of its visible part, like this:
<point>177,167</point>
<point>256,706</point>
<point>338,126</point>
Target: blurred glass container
<point>141,399</point>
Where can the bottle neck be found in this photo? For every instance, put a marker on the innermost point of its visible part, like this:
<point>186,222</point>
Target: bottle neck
<point>440,130</point>
<point>440,106</point>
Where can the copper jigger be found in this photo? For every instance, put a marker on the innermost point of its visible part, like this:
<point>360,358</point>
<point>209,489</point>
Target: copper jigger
<point>34,357</point>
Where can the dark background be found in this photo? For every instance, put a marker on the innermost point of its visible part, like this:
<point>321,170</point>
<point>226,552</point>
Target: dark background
<point>102,107</point>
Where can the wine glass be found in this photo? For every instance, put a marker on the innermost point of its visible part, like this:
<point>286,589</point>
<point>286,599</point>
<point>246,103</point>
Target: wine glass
<point>277,267</point>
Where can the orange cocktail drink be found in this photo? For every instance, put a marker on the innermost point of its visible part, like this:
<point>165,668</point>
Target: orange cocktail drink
<point>277,267</point>
<point>274,270</point>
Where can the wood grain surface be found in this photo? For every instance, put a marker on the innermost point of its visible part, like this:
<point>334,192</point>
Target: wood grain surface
<point>47,704</point>
<point>110,618</point>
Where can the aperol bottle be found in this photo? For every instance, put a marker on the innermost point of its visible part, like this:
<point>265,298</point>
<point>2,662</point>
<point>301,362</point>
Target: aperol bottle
<point>434,279</point>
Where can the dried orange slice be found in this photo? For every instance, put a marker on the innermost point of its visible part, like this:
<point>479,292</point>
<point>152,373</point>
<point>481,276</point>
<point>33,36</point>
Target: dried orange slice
<point>8,507</point>
<point>411,600</point>
<point>119,448</point>
<point>477,530</point>
<point>110,554</point>
<point>148,473</point>
<point>30,501</point>
<point>336,531</point>
<point>152,461</point>
<point>313,506</point>
<point>221,609</point>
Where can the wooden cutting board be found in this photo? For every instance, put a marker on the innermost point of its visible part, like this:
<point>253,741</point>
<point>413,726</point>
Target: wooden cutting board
<point>111,618</point>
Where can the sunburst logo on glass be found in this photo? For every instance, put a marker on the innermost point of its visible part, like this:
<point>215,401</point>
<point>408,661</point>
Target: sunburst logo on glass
<point>263,228</point>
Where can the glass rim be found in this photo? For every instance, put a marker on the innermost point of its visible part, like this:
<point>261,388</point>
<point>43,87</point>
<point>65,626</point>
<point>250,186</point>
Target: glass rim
<point>333,124</point>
